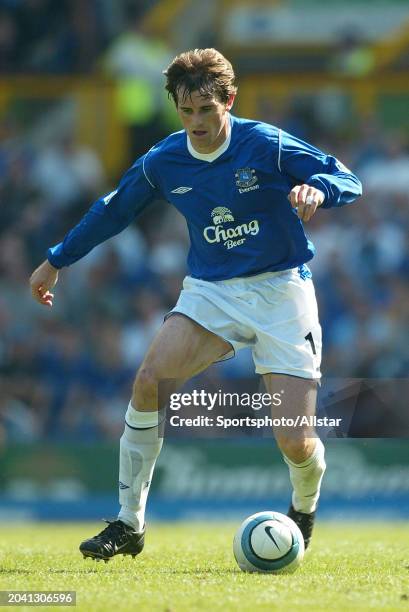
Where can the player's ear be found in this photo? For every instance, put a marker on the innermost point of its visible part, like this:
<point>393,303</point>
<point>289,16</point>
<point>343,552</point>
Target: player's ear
<point>230,101</point>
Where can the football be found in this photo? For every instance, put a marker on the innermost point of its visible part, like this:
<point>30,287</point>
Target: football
<point>268,542</point>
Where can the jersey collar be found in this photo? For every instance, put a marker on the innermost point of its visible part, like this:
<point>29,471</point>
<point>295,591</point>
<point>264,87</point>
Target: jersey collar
<point>209,157</point>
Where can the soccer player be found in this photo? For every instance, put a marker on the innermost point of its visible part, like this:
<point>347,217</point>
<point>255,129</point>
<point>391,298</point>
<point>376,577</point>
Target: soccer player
<point>245,189</point>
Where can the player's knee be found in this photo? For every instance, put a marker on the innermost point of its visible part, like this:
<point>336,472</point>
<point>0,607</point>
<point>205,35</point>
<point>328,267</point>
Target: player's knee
<point>145,388</point>
<point>297,449</point>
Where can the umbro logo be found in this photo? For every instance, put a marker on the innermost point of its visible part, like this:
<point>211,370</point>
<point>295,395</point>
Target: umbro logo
<point>182,189</point>
<point>122,485</point>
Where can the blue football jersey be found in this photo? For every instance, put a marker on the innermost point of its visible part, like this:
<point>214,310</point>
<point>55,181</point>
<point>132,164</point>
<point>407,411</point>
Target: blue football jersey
<point>234,201</point>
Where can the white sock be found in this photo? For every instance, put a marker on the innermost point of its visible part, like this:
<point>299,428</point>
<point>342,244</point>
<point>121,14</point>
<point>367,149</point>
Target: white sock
<point>140,446</point>
<point>306,479</point>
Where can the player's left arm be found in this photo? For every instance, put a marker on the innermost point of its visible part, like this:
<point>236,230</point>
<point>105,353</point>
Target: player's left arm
<point>322,180</point>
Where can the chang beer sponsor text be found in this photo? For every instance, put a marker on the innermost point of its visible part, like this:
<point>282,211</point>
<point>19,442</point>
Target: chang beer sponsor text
<point>231,236</point>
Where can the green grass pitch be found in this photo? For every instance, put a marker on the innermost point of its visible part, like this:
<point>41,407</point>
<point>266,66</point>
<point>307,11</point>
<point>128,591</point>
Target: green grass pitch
<point>190,566</point>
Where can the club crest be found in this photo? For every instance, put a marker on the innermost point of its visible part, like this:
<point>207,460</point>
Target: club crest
<point>245,179</point>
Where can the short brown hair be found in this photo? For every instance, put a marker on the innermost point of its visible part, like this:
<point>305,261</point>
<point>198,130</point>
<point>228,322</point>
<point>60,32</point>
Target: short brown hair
<point>204,70</point>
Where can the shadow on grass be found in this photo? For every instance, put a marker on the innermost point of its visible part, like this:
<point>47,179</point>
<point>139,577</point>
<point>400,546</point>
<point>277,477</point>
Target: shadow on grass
<point>199,573</point>
<point>111,568</point>
<point>11,572</point>
<point>89,570</point>
<point>26,572</point>
<point>148,572</point>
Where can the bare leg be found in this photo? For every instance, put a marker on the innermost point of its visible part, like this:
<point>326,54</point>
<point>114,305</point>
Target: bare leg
<point>299,398</point>
<point>180,350</point>
<point>303,451</point>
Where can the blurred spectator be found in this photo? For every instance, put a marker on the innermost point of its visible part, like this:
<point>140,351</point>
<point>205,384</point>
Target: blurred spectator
<point>390,171</point>
<point>136,60</point>
<point>39,24</point>
<point>44,36</point>
<point>353,55</point>
<point>67,173</point>
<point>8,41</point>
<point>145,317</point>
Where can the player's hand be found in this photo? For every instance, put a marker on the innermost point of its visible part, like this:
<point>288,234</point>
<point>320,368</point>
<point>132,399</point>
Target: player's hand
<point>306,200</point>
<point>41,281</point>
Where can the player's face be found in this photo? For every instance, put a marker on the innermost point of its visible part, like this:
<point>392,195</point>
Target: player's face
<point>204,119</point>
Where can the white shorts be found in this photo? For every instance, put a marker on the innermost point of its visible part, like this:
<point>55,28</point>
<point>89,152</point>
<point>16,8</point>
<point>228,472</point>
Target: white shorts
<point>274,313</point>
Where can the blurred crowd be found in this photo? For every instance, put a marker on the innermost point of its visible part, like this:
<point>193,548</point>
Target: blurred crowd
<point>104,38</point>
<point>64,37</point>
<point>66,372</point>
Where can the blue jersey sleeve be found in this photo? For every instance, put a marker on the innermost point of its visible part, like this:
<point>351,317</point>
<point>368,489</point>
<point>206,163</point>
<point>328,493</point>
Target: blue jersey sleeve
<point>107,216</point>
<point>305,164</point>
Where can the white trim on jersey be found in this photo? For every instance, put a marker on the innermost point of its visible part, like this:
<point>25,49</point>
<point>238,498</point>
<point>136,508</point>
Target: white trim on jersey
<point>210,157</point>
<point>143,168</point>
<point>280,137</point>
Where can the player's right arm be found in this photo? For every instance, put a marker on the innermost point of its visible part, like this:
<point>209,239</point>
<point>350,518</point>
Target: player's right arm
<point>107,217</point>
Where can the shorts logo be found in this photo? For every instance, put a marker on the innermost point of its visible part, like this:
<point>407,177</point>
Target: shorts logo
<point>246,180</point>
<point>217,233</point>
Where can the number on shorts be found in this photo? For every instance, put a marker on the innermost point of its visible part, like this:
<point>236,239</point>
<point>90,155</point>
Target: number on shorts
<point>311,341</point>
